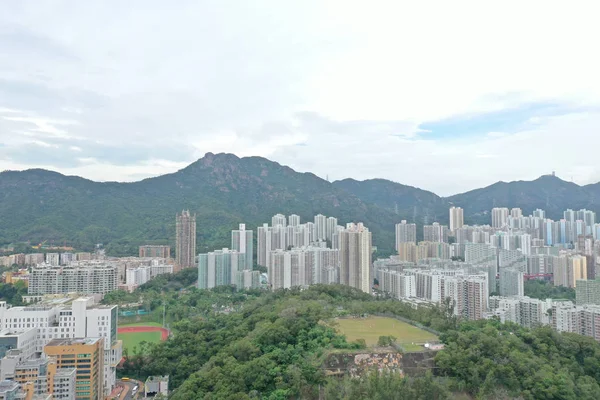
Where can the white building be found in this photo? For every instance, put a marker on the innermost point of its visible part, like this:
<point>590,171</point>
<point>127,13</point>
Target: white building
<point>83,318</point>
<point>53,259</point>
<point>435,233</point>
<point>456,218</point>
<point>293,220</point>
<point>521,310</point>
<point>142,274</point>
<point>332,224</point>
<point>85,278</point>
<point>511,282</point>
<point>499,217</point>
<point>405,233</point>
<point>219,267</point>
<point>242,242</point>
<point>355,257</point>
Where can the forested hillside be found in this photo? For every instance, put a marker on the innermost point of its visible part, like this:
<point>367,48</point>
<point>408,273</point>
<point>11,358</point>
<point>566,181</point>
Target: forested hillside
<point>223,190</point>
<point>245,345</point>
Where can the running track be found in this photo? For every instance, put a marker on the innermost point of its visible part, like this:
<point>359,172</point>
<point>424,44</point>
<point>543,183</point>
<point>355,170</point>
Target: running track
<point>137,329</point>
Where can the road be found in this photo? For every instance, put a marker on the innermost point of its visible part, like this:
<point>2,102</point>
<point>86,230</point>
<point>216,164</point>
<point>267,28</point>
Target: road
<point>129,385</point>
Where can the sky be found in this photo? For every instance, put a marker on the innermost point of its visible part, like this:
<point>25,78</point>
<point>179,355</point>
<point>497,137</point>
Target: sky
<point>445,96</point>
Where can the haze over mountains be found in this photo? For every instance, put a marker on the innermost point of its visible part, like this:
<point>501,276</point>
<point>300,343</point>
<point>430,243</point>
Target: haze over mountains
<point>224,190</point>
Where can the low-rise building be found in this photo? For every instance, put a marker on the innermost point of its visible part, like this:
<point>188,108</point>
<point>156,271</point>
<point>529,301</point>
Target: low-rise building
<point>156,385</point>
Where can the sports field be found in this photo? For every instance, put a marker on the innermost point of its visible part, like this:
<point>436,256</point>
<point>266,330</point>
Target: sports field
<point>371,328</point>
<point>133,334</point>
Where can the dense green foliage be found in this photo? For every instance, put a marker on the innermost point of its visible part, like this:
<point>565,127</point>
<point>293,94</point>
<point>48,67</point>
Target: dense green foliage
<point>408,201</point>
<point>546,290</point>
<point>270,345</point>
<point>13,293</point>
<point>486,357</point>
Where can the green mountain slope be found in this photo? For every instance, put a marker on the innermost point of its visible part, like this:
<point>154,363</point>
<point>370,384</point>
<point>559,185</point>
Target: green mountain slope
<point>548,192</point>
<point>223,190</point>
<point>410,203</point>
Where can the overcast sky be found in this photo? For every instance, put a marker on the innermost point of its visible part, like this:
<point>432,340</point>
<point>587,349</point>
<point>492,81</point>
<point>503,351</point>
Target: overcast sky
<point>447,95</point>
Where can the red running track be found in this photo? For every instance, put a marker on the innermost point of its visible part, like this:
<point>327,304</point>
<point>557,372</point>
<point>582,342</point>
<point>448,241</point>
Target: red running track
<point>136,329</point>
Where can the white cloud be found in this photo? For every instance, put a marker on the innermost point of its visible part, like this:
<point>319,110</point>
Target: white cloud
<point>332,87</point>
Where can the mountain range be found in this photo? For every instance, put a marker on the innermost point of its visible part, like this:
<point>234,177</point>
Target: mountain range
<point>224,190</point>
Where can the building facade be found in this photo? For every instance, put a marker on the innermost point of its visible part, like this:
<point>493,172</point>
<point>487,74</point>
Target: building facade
<point>155,251</point>
<point>185,250</point>
<point>355,257</point>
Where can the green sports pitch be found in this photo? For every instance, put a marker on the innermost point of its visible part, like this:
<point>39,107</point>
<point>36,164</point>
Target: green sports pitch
<point>369,329</point>
<point>133,339</point>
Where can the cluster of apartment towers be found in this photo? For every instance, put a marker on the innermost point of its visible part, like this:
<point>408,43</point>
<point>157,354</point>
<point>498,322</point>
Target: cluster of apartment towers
<point>497,258</point>
<point>294,254</point>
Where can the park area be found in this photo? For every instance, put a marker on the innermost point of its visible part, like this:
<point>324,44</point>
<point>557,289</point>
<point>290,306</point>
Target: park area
<point>133,334</point>
<point>370,329</point>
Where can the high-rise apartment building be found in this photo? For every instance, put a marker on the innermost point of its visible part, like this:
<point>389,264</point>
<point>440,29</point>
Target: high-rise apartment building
<point>153,251</point>
<point>263,244</point>
<point>278,219</point>
<point>433,250</point>
<point>435,233</point>
<point>407,251</point>
<point>570,215</point>
<point>185,251</point>
<point>539,213</point>
<point>469,294</point>
<point>405,233</point>
<point>242,242</point>
<point>456,218</point>
<point>588,217</point>
<point>355,257</point>
<point>332,224</point>
<point>320,227</point>
<point>516,213</point>
<point>86,355</point>
<point>499,217</point>
<point>587,292</point>
<point>293,220</point>
<point>511,282</point>
<point>219,268</point>
<point>302,267</point>
<point>568,269</point>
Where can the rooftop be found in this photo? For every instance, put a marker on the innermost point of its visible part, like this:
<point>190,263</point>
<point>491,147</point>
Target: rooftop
<point>71,342</point>
<point>6,386</point>
<point>14,332</point>
<point>65,371</point>
<point>158,378</point>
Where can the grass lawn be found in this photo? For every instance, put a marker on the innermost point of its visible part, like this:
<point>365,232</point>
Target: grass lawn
<point>371,328</point>
<point>133,339</point>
